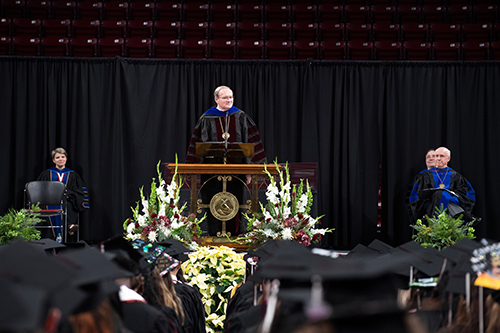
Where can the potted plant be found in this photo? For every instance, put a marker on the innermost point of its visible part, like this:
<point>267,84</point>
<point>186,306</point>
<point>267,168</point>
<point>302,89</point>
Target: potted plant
<point>19,224</point>
<point>286,214</point>
<point>161,217</point>
<point>442,230</point>
<point>215,271</point>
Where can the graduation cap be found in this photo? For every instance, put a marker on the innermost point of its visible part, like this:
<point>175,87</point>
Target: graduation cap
<point>425,259</point>
<point>23,307</point>
<point>265,250</point>
<point>458,255</point>
<point>95,275</point>
<point>380,247</point>
<point>158,254</point>
<point>120,247</point>
<point>47,244</point>
<point>29,267</point>
<point>290,261</point>
<point>175,249</point>
<point>93,266</point>
<point>166,263</point>
<point>355,288</point>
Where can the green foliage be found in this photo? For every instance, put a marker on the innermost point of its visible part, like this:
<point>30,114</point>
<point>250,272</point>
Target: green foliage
<point>442,230</point>
<point>20,224</point>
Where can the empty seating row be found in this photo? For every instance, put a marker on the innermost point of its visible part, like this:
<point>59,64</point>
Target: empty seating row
<point>408,50</point>
<point>136,47</point>
<point>201,12</point>
<point>248,30</point>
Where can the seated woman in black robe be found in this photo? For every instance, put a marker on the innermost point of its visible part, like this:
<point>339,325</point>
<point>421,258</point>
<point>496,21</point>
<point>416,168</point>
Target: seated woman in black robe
<point>76,191</point>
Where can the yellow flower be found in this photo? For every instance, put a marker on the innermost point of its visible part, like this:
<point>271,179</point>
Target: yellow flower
<point>199,280</point>
<point>227,268</point>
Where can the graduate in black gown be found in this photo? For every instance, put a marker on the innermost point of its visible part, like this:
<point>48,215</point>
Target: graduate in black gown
<point>442,186</point>
<point>211,127</point>
<point>194,311</point>
<point>76,191</point>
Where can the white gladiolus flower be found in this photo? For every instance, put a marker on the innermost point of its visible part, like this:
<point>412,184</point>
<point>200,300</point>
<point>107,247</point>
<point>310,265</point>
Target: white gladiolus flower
<point>302,203</point>
<point>163,208</point>
<point>160,192</point>
<point>287,211</point>
<point>175,224</point>
<point>171,192</point>
<point>318,231</point>
<point>272,198</point>
<point>142,220</point>
<point>311,223</point>
<point>145,207</point>
<point>286,197</point>
<point>272,189</point>
<point>267,215</point>
<point>287,187</point>
<point>130,227</point>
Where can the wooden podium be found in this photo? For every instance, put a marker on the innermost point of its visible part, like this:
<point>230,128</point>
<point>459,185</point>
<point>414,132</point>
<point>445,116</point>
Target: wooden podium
<point>224,171</point>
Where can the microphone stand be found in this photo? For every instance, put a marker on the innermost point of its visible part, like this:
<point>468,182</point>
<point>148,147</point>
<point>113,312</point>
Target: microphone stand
<point>226,137</point>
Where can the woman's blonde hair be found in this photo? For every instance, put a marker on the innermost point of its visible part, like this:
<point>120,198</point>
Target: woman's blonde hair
<point>59,150</point>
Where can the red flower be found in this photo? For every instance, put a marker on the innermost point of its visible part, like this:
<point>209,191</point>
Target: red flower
<point>147,230</point>
<point>176,216</point>
<point>316,238</point>
<point>154,215</point>
<point>290,222</point>
<point>303,238</point>
<point>172,206</point>
<point>136,225</point>
<point>300,216</point>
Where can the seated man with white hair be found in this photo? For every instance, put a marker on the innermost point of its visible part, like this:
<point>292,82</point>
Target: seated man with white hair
<point>442,186</point>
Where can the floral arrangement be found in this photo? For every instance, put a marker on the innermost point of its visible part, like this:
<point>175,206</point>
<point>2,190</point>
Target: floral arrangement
<point>286,214</point>
<point>442,230</point>
<point>160,217</point>
<point>19,225</point>
<point>215,271</point>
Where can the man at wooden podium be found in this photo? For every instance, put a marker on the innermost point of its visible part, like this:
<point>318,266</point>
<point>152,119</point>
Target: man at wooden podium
<point>220,123</point>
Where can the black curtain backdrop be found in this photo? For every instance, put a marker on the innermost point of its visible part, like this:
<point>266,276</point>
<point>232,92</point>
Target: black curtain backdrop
<point>359,120</point>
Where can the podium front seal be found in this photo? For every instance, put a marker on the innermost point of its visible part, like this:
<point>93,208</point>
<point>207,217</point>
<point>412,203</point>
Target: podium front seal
<point>224,206</point>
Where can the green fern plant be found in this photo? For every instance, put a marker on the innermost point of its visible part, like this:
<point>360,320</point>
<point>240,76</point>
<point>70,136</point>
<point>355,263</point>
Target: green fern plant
<point>20,224</point>
<point>442,230</point>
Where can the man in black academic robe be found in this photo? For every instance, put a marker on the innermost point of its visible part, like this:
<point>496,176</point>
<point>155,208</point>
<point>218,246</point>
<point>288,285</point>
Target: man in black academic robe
<point>442,186</point>
<point>211,127</point>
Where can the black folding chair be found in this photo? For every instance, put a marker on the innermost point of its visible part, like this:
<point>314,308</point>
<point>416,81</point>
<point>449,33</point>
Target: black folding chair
<point>46,194</point>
